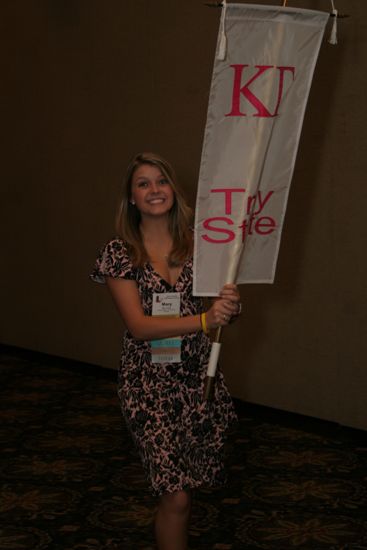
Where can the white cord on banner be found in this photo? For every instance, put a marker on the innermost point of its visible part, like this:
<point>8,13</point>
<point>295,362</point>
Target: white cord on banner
<point>333,36</point>
<point>222,50</point>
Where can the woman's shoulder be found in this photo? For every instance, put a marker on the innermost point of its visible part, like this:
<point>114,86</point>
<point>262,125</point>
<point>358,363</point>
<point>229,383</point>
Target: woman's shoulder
<point>117,245</point>
<point>116,249</point>
<point>113,261</point>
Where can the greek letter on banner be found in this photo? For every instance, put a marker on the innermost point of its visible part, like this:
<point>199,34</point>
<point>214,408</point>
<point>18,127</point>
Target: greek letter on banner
<point>256,108</point>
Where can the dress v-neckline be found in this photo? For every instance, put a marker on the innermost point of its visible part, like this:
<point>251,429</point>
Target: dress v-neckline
<point>163,279</point>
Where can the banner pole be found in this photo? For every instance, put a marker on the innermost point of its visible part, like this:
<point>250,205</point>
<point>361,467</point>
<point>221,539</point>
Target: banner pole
<point>212,367</point>
<point>254,162</point>
<point>238,249</point>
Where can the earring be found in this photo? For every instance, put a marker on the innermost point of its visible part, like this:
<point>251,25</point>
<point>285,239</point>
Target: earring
<point>132,202</point>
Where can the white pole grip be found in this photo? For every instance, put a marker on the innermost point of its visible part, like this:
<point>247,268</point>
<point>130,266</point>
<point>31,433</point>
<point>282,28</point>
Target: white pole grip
<point>213,359</point>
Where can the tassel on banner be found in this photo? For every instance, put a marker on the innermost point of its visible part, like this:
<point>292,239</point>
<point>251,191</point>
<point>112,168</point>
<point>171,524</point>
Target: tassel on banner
<point>334,13</point>
<point>333,36</point>
<point>222,49</point>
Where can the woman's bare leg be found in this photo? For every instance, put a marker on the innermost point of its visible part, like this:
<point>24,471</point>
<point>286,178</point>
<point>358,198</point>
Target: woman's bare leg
<point>172,520</point>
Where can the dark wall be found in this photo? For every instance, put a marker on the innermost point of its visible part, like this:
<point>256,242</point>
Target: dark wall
<point>89,83</point>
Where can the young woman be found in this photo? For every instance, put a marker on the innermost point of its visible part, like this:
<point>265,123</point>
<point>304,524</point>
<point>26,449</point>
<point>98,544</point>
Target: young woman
<point>148,269</point>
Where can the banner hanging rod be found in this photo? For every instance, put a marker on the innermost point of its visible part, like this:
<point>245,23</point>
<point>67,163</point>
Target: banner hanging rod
<point>219,5</point>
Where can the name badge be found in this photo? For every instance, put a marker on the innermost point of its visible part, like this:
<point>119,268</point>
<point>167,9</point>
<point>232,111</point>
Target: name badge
<point>166,350</point>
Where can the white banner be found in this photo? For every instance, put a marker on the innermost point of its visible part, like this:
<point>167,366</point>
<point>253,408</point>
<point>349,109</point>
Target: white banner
<point>256,107</point>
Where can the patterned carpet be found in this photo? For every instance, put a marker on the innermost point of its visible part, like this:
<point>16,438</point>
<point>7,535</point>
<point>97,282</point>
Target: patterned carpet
<point>71,479</point>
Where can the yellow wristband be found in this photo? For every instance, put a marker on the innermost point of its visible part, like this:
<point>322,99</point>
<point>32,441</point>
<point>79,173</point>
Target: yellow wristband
<point>203,323</point>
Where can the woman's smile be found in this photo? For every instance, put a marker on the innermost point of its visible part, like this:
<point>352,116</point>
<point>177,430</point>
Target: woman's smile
<point>157,200</point>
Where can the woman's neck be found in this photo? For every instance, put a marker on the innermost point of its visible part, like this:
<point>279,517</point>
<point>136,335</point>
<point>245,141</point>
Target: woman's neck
<point>155,233</point>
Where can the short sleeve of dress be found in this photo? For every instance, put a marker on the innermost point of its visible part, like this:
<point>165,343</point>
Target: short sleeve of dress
<point>113,261</point>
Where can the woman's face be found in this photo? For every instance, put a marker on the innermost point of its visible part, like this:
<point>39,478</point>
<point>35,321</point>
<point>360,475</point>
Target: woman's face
<point>151,191</point>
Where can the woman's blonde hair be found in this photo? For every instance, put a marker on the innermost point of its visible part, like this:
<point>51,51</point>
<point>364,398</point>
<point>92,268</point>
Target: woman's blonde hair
<point>180,215</point>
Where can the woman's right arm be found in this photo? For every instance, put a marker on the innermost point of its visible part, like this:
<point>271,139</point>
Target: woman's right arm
<point>125,294</point>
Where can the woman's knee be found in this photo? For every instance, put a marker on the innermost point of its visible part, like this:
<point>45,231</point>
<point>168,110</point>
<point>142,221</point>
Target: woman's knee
<point>178,502</point>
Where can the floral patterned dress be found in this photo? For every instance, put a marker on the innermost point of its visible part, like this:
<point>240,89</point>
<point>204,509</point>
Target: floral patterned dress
<point>179,435</point>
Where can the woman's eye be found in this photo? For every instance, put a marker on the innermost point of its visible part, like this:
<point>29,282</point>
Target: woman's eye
<point>163,181</point>
<point>142,184</point>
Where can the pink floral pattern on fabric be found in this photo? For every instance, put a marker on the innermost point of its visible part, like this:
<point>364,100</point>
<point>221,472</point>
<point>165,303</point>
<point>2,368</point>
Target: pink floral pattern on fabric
<point>180,437</point>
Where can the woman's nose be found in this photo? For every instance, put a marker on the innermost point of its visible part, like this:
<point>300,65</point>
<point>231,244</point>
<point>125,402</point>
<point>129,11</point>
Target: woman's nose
<point>154,187</point>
